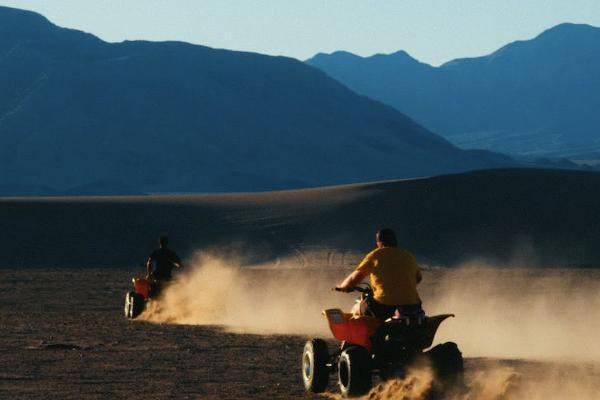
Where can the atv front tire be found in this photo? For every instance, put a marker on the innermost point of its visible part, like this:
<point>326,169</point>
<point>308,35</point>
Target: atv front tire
<point>315,372</point>
<point>134,305</point>
<point>354,371</point>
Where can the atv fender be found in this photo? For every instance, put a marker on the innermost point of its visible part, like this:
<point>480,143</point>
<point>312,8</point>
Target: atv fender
<point>351,329</point>
<point>433,323</point>
<point>142,287</point>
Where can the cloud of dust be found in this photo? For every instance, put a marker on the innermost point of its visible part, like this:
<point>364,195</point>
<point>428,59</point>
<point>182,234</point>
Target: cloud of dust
<point>492,384</point>
<point>556,382</point>
<point>505,318</point>
<point>420,384</point>
<point>508,317</point>
<point>542,314</point>
<point>519,313</point>
<point>416,385</point>
<point>217,291</point>
<point>542,382</point>
<point>496,382</point>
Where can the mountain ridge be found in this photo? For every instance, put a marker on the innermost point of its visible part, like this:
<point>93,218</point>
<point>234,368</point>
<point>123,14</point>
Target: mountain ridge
<point>177,117</point>
<point>530,98</point>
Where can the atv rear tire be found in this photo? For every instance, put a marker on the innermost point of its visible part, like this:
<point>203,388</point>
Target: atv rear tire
<point>315,372</point>
<point>447,361</point>
<point>354,371</point>
<point>134,305</point>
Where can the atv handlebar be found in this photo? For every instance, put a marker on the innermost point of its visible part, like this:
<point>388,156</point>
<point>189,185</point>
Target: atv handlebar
<point>354,289</point>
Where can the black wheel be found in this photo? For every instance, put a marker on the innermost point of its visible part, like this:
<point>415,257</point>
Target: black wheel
<point>354,371</point>
<point>134,304</point>
<point>315,372</point>
<point>447,361</point>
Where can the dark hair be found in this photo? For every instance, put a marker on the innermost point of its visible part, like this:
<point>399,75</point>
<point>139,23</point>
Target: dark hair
<point>387,237</point>
<point>163,240</point>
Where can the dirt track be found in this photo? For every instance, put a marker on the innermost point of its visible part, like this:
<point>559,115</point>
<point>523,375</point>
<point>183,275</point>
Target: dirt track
<point>64,336</point>
<point>45,311</point>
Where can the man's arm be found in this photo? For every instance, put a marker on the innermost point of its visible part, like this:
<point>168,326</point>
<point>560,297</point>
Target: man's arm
<point>351,280</point>
<point>149,267</point>
<point>177,262</point>
<point>364,268</point>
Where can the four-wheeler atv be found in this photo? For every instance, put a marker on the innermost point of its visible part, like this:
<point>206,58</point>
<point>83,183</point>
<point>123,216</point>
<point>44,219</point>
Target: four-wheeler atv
<point>135,301</point>
<point>370,345</point>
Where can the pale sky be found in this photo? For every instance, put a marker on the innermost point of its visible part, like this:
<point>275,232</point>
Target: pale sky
<point>433,31</point>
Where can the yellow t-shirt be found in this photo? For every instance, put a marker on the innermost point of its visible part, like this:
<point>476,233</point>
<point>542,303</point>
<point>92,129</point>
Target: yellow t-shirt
<point>393,272</point>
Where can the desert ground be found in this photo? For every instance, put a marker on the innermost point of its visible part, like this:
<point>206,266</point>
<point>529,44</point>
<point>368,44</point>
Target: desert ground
<point>513,253</point>
<point>65,337</point>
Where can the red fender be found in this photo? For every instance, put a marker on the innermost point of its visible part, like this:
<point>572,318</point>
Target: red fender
<point>142,286</point>
<point>354,330</point>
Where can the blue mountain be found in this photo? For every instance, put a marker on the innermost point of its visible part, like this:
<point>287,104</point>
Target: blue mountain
<point>80,115</point>
<point>537,98</point>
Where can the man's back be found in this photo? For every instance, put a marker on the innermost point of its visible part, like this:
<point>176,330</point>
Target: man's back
<point>393,272</point>
<point>165,261</point>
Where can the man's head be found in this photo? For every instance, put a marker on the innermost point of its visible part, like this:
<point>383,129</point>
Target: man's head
<point>386,238</point>
<point>163,241</point>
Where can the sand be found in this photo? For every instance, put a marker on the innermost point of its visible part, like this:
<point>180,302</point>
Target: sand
<point>534,217</point>
<point>527,332</point>
<point>64,336</point>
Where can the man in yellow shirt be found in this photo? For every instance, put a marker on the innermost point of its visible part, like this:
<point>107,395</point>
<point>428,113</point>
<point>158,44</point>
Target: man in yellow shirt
<point>394,275</point>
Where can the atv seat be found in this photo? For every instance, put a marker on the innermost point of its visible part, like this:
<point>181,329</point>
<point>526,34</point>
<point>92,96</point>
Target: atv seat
<point>416,332</point>
<point>408,317</point>
<point>408,320</point>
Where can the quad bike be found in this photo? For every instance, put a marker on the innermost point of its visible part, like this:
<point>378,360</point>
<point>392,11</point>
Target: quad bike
<point>135,300</point>
<point>370,345</point>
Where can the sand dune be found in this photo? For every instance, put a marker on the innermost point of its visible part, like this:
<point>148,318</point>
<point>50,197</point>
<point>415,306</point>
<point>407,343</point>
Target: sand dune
<point>528,217</point>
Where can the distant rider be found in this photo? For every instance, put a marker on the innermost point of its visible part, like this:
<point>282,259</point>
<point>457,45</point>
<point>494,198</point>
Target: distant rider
<point>160,265</point>
<point>394,275</point>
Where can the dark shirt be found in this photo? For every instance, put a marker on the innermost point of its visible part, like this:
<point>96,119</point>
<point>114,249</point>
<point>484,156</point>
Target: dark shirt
<point>165,261</point>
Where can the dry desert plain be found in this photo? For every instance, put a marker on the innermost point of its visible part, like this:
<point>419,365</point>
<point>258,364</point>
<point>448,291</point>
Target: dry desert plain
<point>64,337</point>
<point>503,250</point>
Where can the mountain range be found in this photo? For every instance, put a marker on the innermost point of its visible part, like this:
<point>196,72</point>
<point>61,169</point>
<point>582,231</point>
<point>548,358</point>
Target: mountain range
<point>533,98</point>
<point>82,116</point>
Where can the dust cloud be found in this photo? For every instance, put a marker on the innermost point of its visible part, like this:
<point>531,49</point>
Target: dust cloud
<point>249,299</point>
<point>526,333</point>
<point>542,314</point>
<point>496,382</point>
<point>539,314</point>
<point>417,385</point>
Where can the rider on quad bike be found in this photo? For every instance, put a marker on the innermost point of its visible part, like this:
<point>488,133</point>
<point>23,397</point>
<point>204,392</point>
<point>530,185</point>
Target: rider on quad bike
<point>159,268</point>
<point>160,265</point>
<point>394,275</point>
<point>388,331</point>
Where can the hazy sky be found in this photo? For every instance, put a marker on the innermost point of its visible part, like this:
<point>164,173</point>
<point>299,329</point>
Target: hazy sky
<point>433,31</point>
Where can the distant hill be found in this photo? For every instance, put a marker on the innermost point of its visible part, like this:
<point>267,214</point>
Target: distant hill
<point>535,98</point>
<point>517,217</point>
<point>82,116</point>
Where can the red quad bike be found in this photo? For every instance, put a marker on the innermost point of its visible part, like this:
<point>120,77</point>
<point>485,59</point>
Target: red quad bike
<point>370,345</point>
<point>135,301</point>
